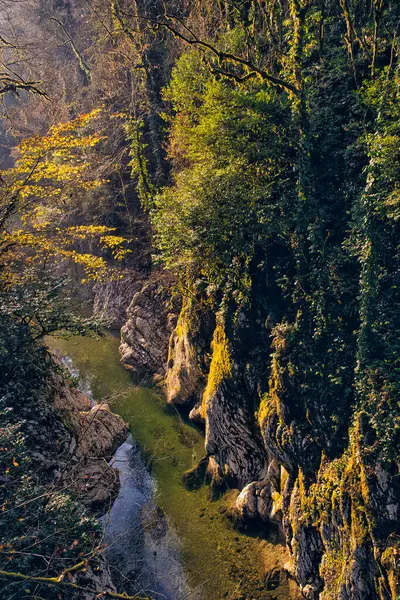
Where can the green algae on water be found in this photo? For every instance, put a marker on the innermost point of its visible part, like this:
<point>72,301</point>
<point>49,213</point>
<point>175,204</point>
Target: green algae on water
<point>218,561</point>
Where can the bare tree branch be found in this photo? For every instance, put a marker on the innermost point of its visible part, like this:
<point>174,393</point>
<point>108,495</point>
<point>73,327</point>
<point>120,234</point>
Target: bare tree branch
<point>191,39</point>
<point>58,581</point>
<point>83,65</point>
<point>11,85</point>
<point>227,57</point>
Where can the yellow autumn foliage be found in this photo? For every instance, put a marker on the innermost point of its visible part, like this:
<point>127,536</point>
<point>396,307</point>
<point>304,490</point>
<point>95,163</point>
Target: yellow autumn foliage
<point>49,175</point>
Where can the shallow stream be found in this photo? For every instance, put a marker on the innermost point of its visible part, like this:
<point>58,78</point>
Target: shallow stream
<point>162,539</point>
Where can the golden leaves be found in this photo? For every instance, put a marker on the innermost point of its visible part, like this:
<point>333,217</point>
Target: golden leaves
<point>41,193</point>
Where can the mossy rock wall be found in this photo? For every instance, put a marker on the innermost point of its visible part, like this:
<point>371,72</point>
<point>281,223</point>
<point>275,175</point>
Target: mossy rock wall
<point>187,357</point>
<point>336,501</point>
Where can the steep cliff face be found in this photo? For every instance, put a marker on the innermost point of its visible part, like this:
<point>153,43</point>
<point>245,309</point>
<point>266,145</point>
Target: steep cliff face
<point>279,223</point>
<point>189,357</point>
<point>145,335</point>
<point>335,499</point>
<point>340,514</point>
<point>112,298</point>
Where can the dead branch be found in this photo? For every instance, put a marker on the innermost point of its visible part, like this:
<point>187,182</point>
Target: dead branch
<point>13,86</point>
<point>58,581</point>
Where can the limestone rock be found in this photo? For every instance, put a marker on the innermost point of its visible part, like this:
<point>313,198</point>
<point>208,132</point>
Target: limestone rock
<point>256,500</point>
<point>196,414</point>
<point>99,432</point>
<point>68,398</point>
<point>230,437</point>
<point>145,335</point>
<point>113,297</point>
<point>184,381</point>
<point>95,482</point>
<point>95,434</point>
<point>189,357</point>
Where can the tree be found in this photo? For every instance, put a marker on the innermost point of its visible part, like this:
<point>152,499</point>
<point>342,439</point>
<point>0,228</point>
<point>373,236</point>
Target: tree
<point>39,195</point>
<point>231,154</point>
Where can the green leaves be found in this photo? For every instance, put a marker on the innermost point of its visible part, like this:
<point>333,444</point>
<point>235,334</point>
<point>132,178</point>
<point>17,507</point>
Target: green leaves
<point>229,149</point>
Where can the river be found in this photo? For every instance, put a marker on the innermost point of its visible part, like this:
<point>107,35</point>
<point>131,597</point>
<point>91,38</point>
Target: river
<point>162,539</point>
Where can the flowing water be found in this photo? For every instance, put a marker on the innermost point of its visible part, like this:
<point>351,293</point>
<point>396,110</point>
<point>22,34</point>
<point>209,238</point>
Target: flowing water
<point>162,539</point>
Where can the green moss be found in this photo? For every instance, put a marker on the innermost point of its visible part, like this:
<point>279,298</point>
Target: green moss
<point>333,566</point>
<point>389,560</point>
<point>221,364</point>
<point>183,370</point>
<point>277,502</point>
<point>271,401</point>
<point>195,477</point>
<point>185,319</point>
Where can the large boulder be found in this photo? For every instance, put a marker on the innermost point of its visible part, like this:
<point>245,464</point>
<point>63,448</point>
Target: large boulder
<point>113,297</point>
<point>96,433</point>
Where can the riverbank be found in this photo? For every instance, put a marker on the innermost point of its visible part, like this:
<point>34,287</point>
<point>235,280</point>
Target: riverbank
<point>55,478</point>
<point>218,561</point>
